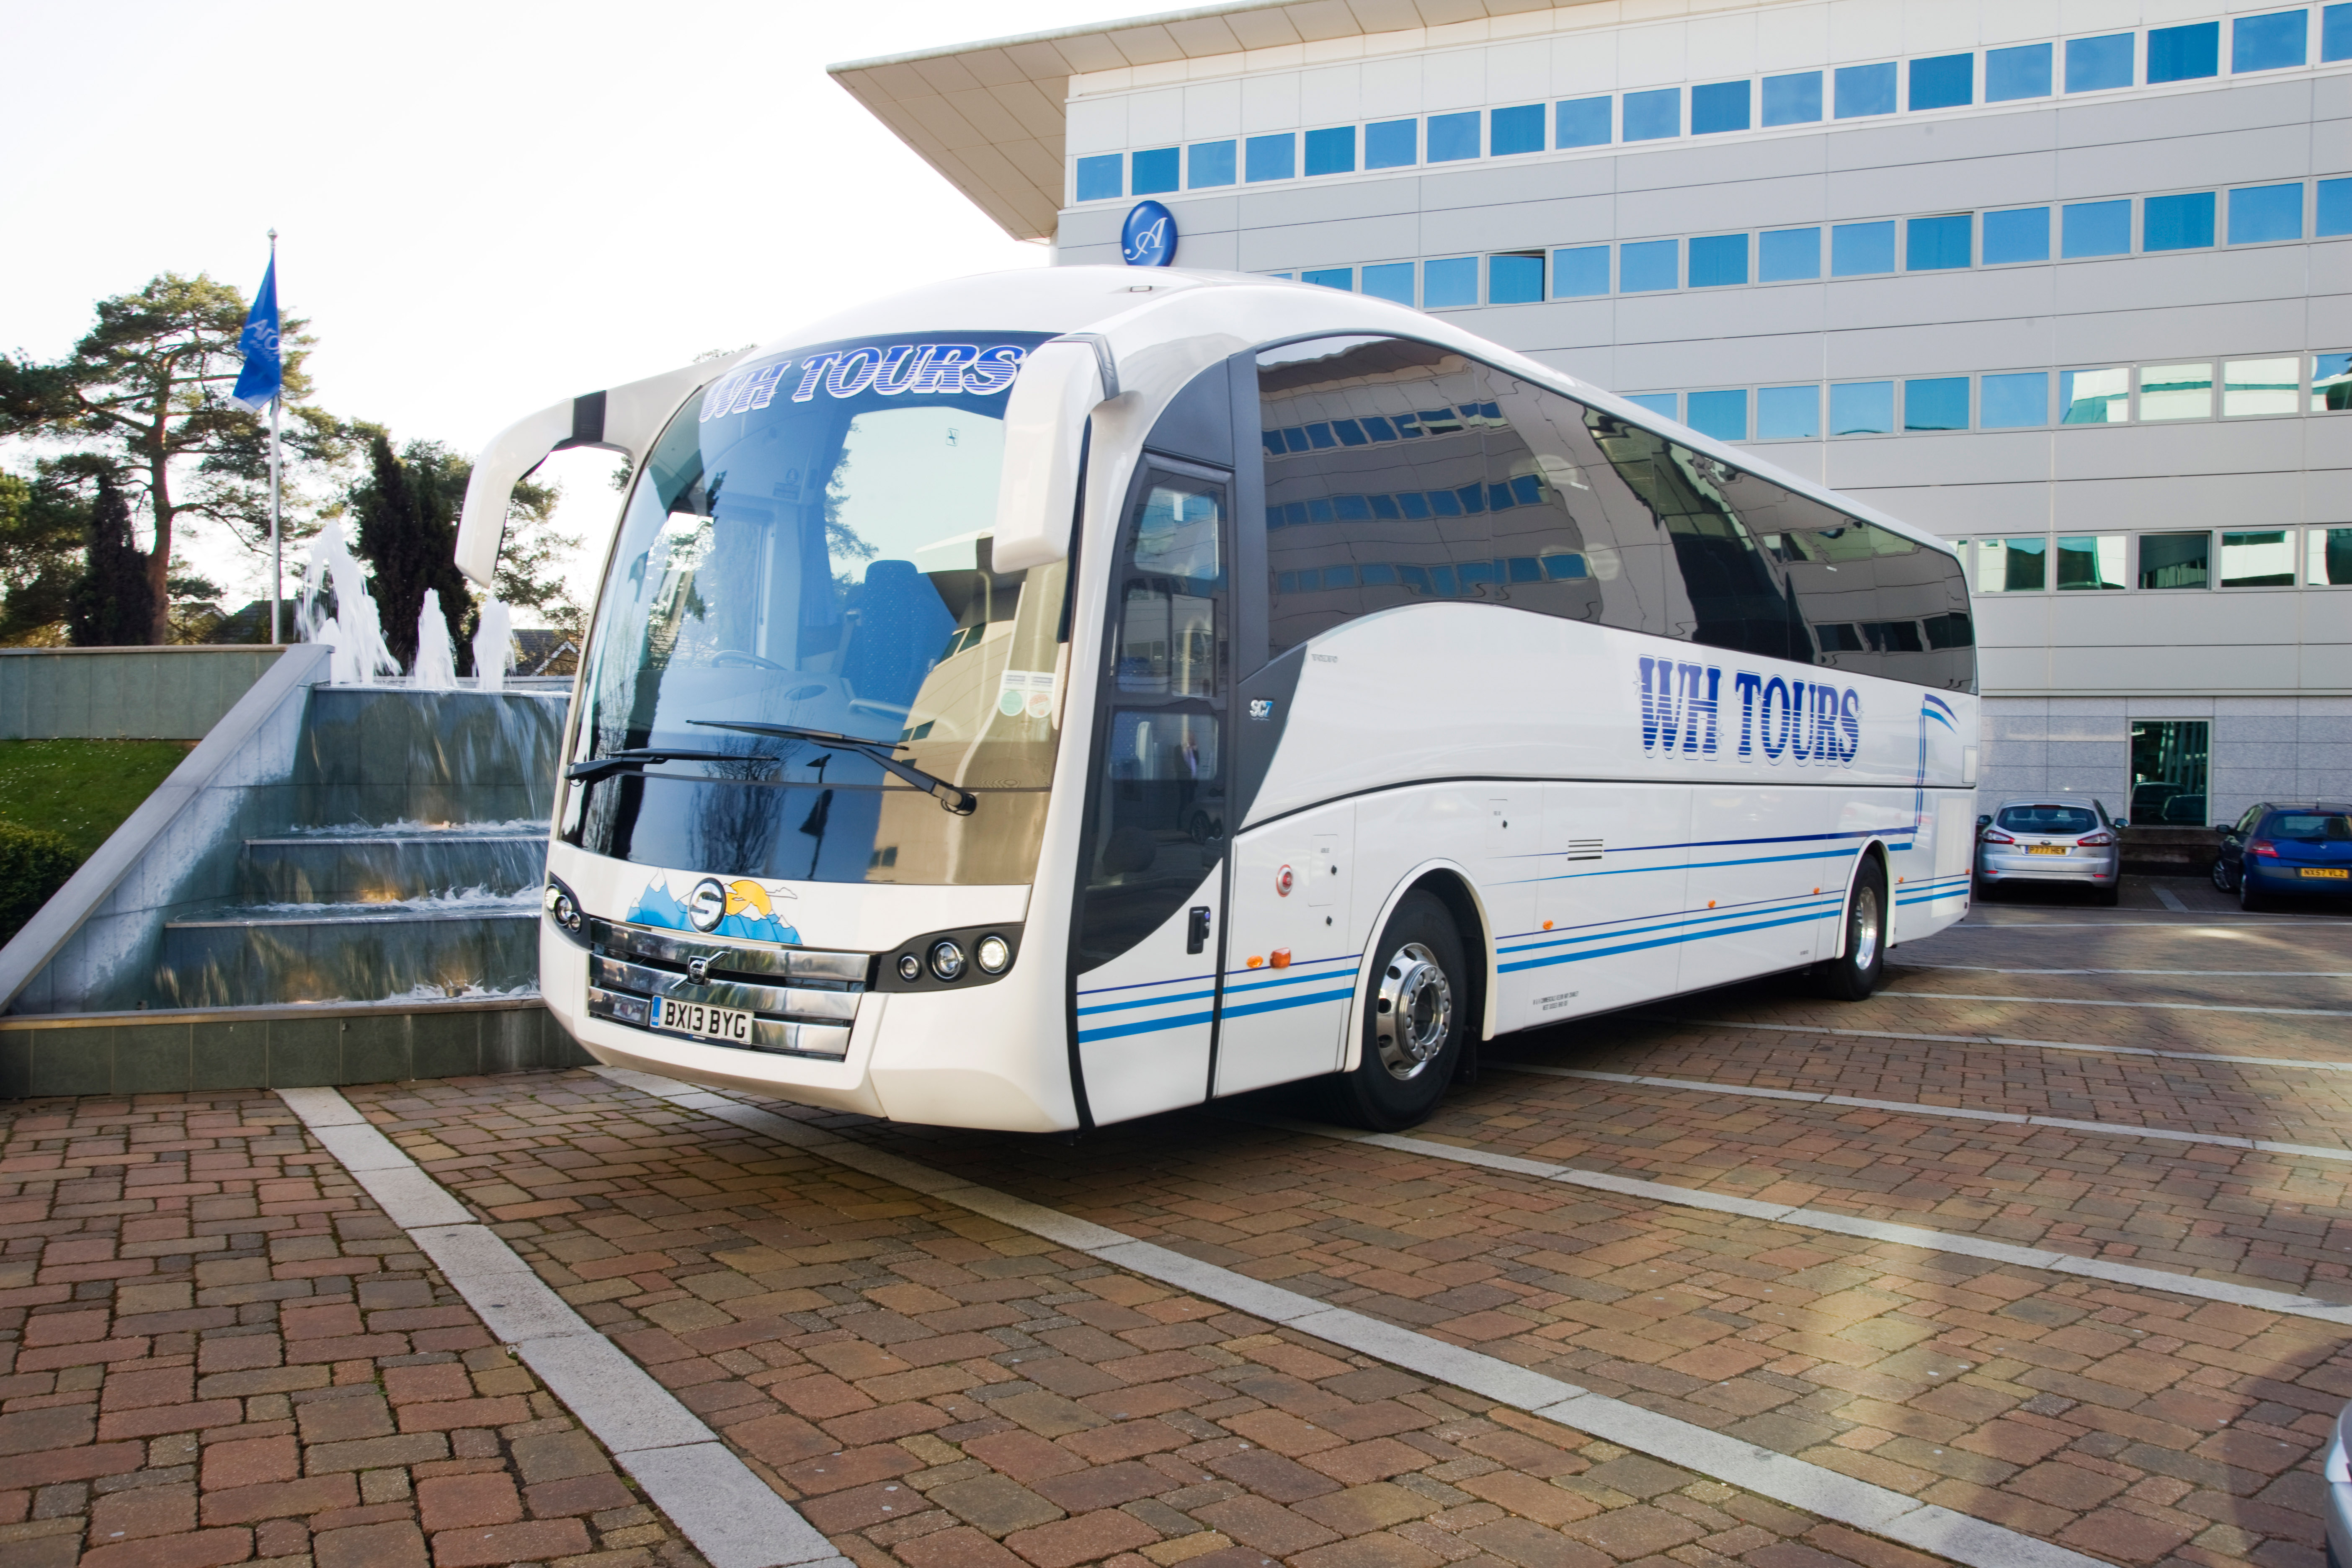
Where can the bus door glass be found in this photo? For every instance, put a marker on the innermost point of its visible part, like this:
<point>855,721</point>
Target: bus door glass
<point>1151,916</point>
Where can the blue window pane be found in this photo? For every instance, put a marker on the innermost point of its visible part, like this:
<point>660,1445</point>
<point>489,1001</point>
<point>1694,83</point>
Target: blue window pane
<point>1580,272</point>
<point>1862,408</point>
<point>1514,279</point>
<point>1718,106</point>
<point>1783,254</point>
<point>1393,144</point>
<point>1652,115</point>
<point>2266,212</point>
<point>2178,223</point>
<point>1653,263</point>
<point>1449,283</point>
<point>1519,129</point>
<point>2094,228</point>
<point>1331,277</point>
<point>1933,244</point>
<point>1581,122</point>
<point>1865,89</point>
<point>1859,248</point>
<point>1793,100</point>
<point>1390,280</point>
<point>1788,412</point>
<point>1271,157</point>
<point>1716,259</point>
<point>2335,211</point>
<point>1155,171</point>
<point>2014,402</point>
<point>2336,33</point>
<point>2021,72</point>
<point>1452,137</point>
<point>1331,151</point>
<point>1662,403</point>
<point>1945,81</point>
<point>2269,42</point>
<point>2184,53</point>
<point>2092,64</point>
<point>1101,177</point>
<point>2020,234</point>
<point>1208,163</point>
<point>1722,414</point>
<point>1939,404</point>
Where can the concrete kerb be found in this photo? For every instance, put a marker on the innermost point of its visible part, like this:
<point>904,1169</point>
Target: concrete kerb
<point>1797,1483</point>
<point>732,1516</point>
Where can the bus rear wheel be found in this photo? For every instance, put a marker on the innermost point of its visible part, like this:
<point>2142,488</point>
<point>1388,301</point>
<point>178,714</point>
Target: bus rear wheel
<point>1415,1012</point>
<point>1855,973</point>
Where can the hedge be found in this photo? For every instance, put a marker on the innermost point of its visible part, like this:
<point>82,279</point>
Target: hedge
<point>33,864</point>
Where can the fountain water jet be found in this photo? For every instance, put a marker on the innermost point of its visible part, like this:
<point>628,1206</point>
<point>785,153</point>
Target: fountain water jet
<point>493,646</point>
<point>354,632</point>
<point>437,659</point>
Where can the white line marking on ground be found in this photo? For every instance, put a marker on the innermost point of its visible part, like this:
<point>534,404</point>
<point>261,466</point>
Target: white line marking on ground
<point>1796,1482</point>
<point>2320,1066</point>
<point>1911,1108</point>
<point>732,1516</point>
<point>2169,900</point>
<point>2096,1002</point>
<point>2257,973</point>
<point>1959,1242</point>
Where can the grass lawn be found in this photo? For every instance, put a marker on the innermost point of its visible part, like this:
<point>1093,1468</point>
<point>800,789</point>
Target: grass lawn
<point>82,789</point>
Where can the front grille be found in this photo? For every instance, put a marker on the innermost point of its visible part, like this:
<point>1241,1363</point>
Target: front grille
<point>809,1015</point>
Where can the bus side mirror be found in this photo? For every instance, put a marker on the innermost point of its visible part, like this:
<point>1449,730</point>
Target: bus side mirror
<point>627,419</point>
<point>1061,382</point>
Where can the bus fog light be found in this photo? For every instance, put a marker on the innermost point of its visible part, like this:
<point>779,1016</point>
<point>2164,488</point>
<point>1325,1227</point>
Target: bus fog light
<point>993,954</point>
<point>946,960</point>
<point>909,966</point>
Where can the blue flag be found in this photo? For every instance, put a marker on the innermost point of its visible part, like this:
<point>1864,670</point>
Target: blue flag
<point>257,383</point>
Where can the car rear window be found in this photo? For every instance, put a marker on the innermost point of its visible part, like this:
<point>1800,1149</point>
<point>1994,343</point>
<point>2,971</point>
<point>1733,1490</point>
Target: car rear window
<point>2047,819</point>
<point>2315,824</point>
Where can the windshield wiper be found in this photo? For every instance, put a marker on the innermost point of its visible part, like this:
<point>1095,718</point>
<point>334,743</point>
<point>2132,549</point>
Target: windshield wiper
<point>951,798</point>
<point>628,762</point>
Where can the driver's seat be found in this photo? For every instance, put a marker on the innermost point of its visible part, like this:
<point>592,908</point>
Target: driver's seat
<point>901,628</point>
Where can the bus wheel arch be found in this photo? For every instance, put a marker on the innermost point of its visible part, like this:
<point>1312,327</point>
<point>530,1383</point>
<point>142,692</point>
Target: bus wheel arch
<point>1865,930</point>
<point>1420,1007</point>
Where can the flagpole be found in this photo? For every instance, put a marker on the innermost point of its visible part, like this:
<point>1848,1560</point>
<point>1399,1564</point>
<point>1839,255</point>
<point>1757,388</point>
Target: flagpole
<point>276,572</point>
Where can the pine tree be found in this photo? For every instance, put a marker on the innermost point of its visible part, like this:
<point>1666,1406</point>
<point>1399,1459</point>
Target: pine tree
<point>407,508</point>
<point>114,606</point>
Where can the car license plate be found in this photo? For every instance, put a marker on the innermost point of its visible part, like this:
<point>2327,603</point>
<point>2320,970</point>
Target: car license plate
<point>2045,849</point>
<point>2326,871</point>
<point>726,1025</point>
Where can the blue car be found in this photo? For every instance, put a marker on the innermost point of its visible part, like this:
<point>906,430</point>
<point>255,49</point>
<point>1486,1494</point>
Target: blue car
<point>2278,848</point>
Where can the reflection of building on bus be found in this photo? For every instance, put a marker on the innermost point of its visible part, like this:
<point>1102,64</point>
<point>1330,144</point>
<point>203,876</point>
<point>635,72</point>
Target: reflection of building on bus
<point>1019,729</point>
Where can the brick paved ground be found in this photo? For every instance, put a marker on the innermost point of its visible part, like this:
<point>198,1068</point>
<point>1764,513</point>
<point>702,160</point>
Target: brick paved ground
<point>213,1349</point>
<point>937,1391</point>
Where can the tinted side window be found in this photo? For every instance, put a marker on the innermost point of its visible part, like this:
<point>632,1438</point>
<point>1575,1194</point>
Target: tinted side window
<point>1397,472</point>
<point>1877,603</point>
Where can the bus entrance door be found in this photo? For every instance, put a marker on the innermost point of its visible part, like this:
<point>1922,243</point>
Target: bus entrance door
<point>1151,914</point>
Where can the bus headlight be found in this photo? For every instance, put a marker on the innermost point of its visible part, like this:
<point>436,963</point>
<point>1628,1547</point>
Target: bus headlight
<point>909,967</point>
<point>565,910</point>
<point>946,960</point>
<point>992,953</point>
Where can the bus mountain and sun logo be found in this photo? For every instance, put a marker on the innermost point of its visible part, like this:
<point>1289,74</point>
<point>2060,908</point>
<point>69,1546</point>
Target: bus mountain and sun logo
<point>740,908</point>
<point>1804,720</point>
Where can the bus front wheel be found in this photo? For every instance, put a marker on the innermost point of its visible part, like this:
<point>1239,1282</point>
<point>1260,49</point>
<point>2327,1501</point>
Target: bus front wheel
<point>1415,1012</point>
<point>1855,973</point>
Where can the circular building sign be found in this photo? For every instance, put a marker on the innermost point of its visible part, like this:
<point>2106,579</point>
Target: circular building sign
<point>1149,239</point>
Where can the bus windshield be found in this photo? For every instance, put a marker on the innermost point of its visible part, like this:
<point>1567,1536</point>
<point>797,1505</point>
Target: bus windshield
<point>808,549</point>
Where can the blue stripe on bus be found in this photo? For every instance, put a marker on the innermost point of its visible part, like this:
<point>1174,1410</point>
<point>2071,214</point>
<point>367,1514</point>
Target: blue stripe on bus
<point>1931,697</point>
<point>1660,942</point>
<point>1733,843</point>
<point>1689,866</point>
<point>1681,918</point>
<point>1263,978</point>
<point>1143,1002</point>
<point>1144,1027</point>
<point>1554,937</point>
<point>1148,984</point>
<point>1821,908</point>
<point>1281,1003</point>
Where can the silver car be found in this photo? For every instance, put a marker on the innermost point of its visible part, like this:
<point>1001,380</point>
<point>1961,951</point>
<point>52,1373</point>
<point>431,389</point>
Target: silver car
<point>2037,838</point>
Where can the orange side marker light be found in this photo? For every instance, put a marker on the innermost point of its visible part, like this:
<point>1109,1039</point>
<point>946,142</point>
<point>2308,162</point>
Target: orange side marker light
<point>1547,925</point>
<point>1255,961</point>
<point>1282,958</point>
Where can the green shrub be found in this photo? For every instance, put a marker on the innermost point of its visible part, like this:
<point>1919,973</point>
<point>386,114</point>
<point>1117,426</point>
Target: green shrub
<point>33,864</point>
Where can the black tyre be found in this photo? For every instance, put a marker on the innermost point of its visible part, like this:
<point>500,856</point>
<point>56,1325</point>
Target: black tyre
<point>1416,1014</point>
<point>1855,973</point>
<point>2221,878</point>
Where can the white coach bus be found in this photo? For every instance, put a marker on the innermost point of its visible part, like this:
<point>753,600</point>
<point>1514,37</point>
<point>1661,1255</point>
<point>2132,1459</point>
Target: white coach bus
<point>1051,698</point>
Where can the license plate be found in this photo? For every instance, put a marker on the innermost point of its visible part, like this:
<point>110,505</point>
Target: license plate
<point>724,1023</point>
<point>2326,871</point>
<point>2045,849</point>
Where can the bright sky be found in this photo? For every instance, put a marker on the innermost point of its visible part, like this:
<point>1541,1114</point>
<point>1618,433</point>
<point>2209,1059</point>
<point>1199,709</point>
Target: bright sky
<point>482,207</point>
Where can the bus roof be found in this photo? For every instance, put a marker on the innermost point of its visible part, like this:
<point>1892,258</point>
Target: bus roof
<point>1142,308</point>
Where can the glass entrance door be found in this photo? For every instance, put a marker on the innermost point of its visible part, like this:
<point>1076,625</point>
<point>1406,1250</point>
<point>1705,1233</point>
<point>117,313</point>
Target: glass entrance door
<point>1151,914</point>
